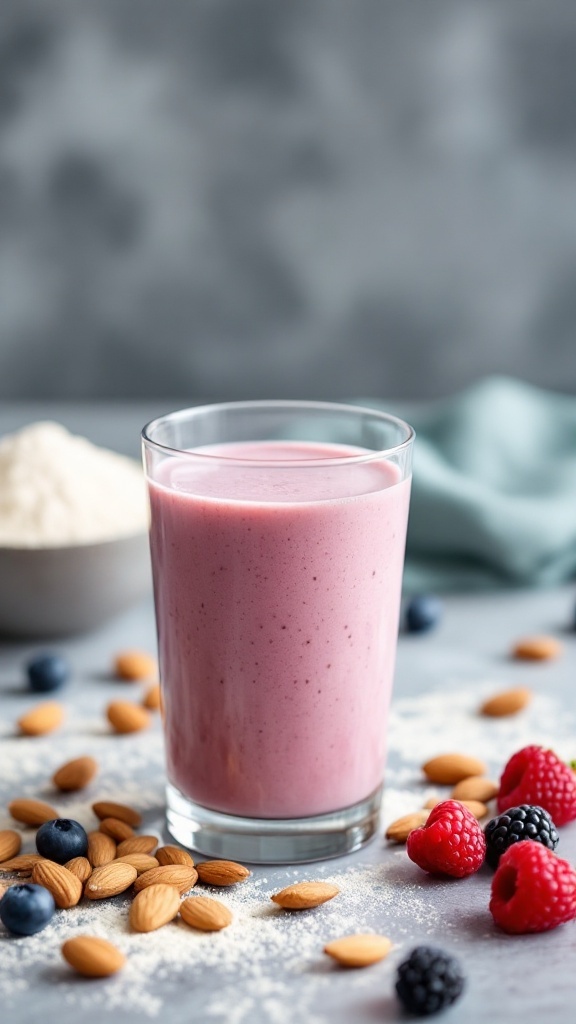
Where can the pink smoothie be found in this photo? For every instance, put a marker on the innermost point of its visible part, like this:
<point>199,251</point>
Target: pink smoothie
<point>277,595</point>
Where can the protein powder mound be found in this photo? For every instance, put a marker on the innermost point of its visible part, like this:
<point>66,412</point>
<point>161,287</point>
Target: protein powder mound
<point>57,489</point>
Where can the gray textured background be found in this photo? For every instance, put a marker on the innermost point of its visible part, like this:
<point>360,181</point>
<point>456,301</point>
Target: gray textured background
<point>315,198</point>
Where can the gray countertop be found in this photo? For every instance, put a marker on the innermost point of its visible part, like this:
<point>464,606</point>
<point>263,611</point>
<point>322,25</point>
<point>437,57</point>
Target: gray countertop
<point>268,967</point>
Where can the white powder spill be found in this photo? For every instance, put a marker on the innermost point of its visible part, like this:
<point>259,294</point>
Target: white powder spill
<point>59,489</point>
<point>248,970</point>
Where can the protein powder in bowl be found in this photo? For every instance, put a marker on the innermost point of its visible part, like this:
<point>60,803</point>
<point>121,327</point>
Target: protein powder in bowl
<point>73,532</point>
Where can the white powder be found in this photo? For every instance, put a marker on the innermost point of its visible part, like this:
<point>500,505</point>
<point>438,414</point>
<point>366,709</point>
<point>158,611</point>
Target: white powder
<point>59,489</point>
<point>267,965</point>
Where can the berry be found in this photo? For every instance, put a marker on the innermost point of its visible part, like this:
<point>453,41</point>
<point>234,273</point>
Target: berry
<point>538,776</point>
<point>26,909</point>
<point>47,672</point>
<point>450,843</point>
<point>428,981</point>
<point>516,824</point>
<point>533,890</point>
<point>61,840</point>
<point>423,612</point>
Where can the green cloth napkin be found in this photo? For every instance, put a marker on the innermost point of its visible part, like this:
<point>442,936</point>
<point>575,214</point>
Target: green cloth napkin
<point>494,488</point>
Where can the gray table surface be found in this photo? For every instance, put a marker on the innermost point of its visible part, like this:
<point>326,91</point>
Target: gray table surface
<point>268,967</point>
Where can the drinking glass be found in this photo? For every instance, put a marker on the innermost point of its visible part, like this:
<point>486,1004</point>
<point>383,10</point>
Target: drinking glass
<point>277,541</point>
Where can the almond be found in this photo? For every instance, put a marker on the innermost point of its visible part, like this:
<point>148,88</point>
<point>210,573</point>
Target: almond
<point>177,875</point>
<point>476,807</point>
<point>153,907</point>
<point>117,829</point>
<point>132,666</point>
<point>475,788</point>
<point>75,774</point>
<point>109,880</point>
<point>508,702</point>
<point>359,950</point>
<point>153,697</point>
<point>537,648</point>
<point>221,872</point>
<point>101,849</point>
<point>22,864</point>
<point>32,812</point>
<point>81,867</point>
<point>141,861</point>
<point>400,829</point>
<point>42,719</point>
<point>138,844</point>
<point>448,769</point>
<point>305,895</point>
<point>125,717</point>
<point>174,855</point>
<point>10,844</point>
<point>204,913</point>
<point>65,887</point>
<point>108,809</point>
<point>92,957</point>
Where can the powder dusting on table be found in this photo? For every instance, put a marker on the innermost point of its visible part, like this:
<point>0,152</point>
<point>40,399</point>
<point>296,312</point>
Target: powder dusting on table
<point>250,967</point>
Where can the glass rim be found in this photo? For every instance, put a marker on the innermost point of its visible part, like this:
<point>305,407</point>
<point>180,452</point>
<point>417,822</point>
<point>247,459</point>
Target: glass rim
<point>278,404</point>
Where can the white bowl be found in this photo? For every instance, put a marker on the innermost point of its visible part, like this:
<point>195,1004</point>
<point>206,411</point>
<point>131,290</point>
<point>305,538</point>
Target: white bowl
<point>48,592</point>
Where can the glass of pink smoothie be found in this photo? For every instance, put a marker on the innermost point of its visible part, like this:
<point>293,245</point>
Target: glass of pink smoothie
<point>277,538</point>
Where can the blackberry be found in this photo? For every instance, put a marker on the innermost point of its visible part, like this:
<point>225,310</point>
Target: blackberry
<point>429,980</point>
<point>524,822</point>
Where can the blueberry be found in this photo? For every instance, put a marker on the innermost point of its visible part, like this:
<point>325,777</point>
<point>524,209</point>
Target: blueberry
<point>47,672</point>
<point>423,612</point>
<point>26,909</point>
<point>61,840</point>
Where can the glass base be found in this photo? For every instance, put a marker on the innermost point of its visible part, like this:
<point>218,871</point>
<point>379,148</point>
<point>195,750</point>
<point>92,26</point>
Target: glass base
<point>270,840</point>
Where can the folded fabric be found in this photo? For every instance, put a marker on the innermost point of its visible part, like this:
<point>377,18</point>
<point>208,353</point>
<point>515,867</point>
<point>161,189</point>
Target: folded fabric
<point>494,488</point>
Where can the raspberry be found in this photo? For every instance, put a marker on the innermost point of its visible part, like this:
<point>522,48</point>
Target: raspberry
<point>450,843</point>
<point>533,890</point>
<point>538,776</point>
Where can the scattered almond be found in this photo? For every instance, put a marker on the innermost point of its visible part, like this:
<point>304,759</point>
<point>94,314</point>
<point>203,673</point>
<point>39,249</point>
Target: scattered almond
<point>400,829</point>
<point>432,802</point>
<point>10,844</point>
<point>138,844</point>
<point>132,666</point>
<point>101,849</point>
<point>153,697</point>
<point>537,648</point>
<point>305,895</point>
<point>108,809</point>
<point>476,807</point>
<point>32,812</point>
<point>22,864</point>
<point>475,788</point>
<point>76,774</point>
<point>508,702</point>
<point>141,861</point>
<point>221,872</point>
<point>448,769</point>
<point>65,886</point>
<point>42,719</point>
<point>81,867</point>
<point>109,880</point>
<point>174,855</point>
<point>117,829</point>
<point>153,907</point>
<point>125,717</point>
<point>205,913</point>
<point>92,957</point>
<point>359,950</point>
<point>177,875</point>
